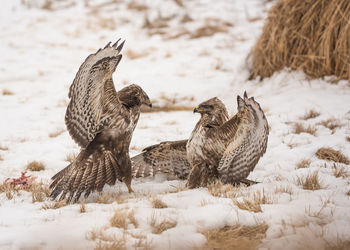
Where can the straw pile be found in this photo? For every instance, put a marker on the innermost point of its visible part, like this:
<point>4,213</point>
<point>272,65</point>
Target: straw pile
<point>312,35</point>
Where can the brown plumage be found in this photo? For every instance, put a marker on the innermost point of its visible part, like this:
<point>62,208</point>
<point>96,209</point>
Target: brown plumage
<point>219,148</point>
<point>229,151</point>
<point>101,121</point>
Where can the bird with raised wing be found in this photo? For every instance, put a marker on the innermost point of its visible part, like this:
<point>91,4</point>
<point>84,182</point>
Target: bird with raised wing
<point>101,121</point>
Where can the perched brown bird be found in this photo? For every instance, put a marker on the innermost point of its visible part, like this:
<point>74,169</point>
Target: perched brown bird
<point>219,148</point>
<point>101,121</point>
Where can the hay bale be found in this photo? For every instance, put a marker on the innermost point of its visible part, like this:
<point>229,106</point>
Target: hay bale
<point>311,35</point>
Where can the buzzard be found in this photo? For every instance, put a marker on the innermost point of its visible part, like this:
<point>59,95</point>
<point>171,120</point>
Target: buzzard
<point>218,148</point>
<point>101,121</point>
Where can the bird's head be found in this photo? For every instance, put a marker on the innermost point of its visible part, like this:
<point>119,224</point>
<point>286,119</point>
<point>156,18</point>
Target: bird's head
<point>210,107</point>
<point>133,95</point>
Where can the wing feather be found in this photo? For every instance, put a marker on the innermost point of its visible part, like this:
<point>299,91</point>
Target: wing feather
<point>92,97</point>
<point>168,157</point>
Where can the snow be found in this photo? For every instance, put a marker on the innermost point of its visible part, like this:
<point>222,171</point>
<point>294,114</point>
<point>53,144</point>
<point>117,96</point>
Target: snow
<point>42,49</point>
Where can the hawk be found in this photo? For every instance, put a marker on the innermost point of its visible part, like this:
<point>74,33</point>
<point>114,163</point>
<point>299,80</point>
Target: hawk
<point>101,121</point>
<point>218,148</point>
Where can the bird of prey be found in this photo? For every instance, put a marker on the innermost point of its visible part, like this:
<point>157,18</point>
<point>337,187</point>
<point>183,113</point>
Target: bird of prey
<point>219,148</point>
<point>101,121</point>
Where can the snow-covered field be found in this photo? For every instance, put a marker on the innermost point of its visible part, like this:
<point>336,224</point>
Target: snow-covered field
<point>42,47</point>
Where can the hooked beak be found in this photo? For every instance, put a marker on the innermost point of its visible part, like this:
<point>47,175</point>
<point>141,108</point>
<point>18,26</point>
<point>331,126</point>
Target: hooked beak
<point>196,109</point>
<point>149,104</point>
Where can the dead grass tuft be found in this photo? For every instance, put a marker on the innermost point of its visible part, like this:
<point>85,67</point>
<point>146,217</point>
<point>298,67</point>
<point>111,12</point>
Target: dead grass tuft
<point>106,241</point>
<point>119,219</point>
<point>347,138</point>
<point>332,155</point>
<point>236,237</point>
<point>209,30</point>
<point>133,5</point>
<point>3,148</point>
<point>135,55</point>
<point>7,92</point>
<point>310,115</point>
<point>35,166</point>
<point>310,182</point>
<point>339,171</point>
<point>331,124</point>
<point>54,204</point>
<point>284,189</point>
<point>163,225</point>
<point>304,164</point>
<point>158,203</point>
<point>253,203</point>
<point>82,207</point>
<point>39,192</point>
<point>248,205</point>
<point>219,189</point>
<point>57,133</point>
<point>308,35</point>
<point>132,219</point>
<point>299,128</point>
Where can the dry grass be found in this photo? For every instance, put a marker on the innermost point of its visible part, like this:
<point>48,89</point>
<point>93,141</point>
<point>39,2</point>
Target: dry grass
<point>300,128</point>
<point>310,182</point>
<point>3,148</point>
<point>310,115</point>
<point>304,164</point>
<point>224,190</point>
<point>54,204</point>
<point>157,203</point>
<point>133,5</point>
<point>108,198</point>
<point>161,225</point>
<point>339,171</point>
<point>253,203</point>
<point>132,219</point>
<point>209,30</point>
<point>71,157</point>
<point>332,155</point>
<point>309,35</point>
<point>82,208</point>
<point>105,241</point>
<point>331,124</point>
<point>119,219</point>
<point>56,133</point>
<point>7,92</point>
<point>248,205</point>
<point>135,55</point>
<point>235,237</point>
<point>39,192</point>
<point>347,138</point>
<point>35,166</point>
<point>284,189</point>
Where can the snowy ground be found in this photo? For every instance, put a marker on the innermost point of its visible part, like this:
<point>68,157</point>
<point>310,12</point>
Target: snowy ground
<point>43,45</point>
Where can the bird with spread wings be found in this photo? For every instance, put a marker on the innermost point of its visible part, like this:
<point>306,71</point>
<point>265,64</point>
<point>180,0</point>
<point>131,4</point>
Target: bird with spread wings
<point>101,121</point>
<point>219,148</point>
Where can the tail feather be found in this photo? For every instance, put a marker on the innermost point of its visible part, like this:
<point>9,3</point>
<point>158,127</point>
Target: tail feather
<point>110,174</point>
<point>101,177</point>
<point>94,167</point>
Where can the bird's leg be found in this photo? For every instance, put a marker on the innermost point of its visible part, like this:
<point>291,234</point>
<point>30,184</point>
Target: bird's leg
<point>129,188</point>
<point>127,182</point>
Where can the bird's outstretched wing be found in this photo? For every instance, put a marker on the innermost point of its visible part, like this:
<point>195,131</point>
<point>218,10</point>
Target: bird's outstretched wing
<point>247,144</point>
<point>168,157</point>
<point>93,98</point>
